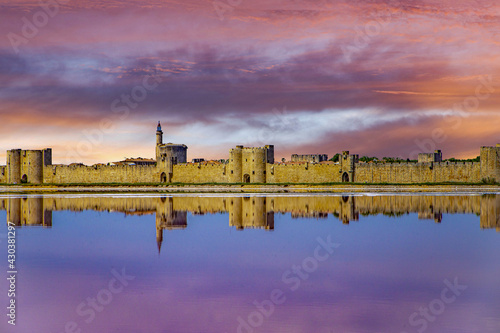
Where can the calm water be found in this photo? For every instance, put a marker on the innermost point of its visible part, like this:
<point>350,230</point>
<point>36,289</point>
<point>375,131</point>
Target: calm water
<point>254,264</point>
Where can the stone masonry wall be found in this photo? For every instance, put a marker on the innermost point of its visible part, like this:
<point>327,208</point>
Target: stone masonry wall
<point>249,164</point>
<point>200,173</point>
<point>303,173</point>
<point>65,174</point>
<point>467,172</point>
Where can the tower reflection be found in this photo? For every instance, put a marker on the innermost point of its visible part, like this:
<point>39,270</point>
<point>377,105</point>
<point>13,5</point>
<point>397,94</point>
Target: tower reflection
<point>28,212</point>
<point>251,212</point>
<point>168,218</point>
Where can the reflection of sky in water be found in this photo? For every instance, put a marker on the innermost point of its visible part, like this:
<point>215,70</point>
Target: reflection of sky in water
<point>209,274</point>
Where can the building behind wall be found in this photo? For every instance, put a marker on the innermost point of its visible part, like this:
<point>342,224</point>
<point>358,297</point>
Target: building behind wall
<point>311,158</point>
<point>436,156</point>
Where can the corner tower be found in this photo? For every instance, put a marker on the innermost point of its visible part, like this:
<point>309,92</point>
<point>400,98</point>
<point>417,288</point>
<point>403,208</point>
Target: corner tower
<point>14,166</point>
<point>490,163</point>
<point>26,166</point>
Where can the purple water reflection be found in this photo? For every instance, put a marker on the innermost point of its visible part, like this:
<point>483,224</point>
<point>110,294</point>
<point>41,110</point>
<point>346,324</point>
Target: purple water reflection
<point>219,255</point>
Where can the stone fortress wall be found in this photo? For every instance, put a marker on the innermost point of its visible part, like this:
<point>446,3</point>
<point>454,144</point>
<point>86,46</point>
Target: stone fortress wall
<point>67,174</point>
<point>248,165</point>
<point>466,172</point>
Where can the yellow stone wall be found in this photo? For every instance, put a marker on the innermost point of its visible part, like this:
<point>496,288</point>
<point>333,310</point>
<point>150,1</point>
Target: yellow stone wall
<point>303,173</point>
<point>200,173</point>
<point>418,172</point>
<point>251,162</point>
<point>274,173</point>
<point>65,174</point>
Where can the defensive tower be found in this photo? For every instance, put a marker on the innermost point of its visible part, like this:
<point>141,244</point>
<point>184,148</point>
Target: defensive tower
<point>168,155</point>
<point>490,163</point>
<point>26,166</point>
<point>347,166</point>
<point>248,164</point>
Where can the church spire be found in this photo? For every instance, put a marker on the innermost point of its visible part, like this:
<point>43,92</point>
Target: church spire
<point>159,135</point>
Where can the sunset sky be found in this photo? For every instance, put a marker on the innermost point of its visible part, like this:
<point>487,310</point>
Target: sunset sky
<point>378,78</point>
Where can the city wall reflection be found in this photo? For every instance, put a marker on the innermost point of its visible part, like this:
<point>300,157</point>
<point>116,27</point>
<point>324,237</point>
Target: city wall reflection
<point>255,212</point>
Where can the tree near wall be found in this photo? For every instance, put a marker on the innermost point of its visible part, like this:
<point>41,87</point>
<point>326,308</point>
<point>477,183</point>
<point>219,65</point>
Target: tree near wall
<point>335,158</point>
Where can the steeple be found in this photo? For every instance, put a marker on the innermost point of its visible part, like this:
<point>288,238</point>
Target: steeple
<point>159,135</point>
